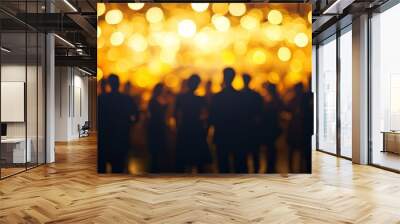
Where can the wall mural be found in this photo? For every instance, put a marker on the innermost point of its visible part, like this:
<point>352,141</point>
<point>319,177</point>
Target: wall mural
<point>204,88</point>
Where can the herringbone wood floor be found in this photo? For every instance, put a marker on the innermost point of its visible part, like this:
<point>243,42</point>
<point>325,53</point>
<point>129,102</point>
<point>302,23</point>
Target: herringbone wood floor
<point>70,191</point>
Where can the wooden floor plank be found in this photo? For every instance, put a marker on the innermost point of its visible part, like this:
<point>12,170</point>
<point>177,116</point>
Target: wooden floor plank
<point>70,191</point>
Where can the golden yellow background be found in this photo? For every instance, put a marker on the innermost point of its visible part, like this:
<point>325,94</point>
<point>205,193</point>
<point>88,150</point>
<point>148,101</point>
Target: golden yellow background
<point>146,43</point>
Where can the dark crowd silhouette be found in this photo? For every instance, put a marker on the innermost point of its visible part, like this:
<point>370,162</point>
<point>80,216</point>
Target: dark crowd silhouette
<point>228,132</point>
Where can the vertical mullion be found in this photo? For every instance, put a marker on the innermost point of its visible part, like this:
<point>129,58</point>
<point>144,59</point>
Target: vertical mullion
<point>37,89</point>
<point>317,95</point>
<point>369,87</point>
<point>26,86</point>
<point>338,98</point>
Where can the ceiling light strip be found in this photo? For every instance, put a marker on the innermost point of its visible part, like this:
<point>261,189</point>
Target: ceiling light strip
<point>70,5</point>
<point>5,50</point>
<point>64,40</point>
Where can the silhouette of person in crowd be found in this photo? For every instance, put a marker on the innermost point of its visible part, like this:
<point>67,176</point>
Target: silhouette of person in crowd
<point>157,127</point>
<point>271,125</point>
<point>299,130</point>
<point>192,148</point>
<point>308,111</point>
<point>116,112</point>
<point>102,138</point>
<point>135,113</point>
<point>209,93</point>
<point>251,111</point>
<point>225,117</point>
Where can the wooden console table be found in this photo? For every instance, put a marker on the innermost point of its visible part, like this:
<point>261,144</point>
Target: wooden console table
<point>391,141</point>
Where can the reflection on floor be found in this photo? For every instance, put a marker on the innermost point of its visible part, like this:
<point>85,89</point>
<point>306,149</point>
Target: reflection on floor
<point>8,170</point>
<point>387,159</point>
<point>70,191</point>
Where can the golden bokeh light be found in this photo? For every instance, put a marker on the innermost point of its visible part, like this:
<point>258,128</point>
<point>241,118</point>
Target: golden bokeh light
<point>301,40</point>
<point>187,28</point>
<point>237,9</point>
<point>273,32</point>
<point>114,16</point>
<point>147,43</point>
<point>199,7</point>
<point>284,54</point>
<point>99,73</point>
<point>221,23</point>
<point>249,22</point>
<point>273,77</point>
<point>240,47</point>
<point>137,43</point>
<point>98,31</point>
<point>201,40</point>
<point>256,13</point>
<point>154,15</point>
<point>170,41</point>
<point>310,17</point>
<point>228,58</point>
<point>275,17</point>
<point>220,8</point>
<point>101,9</point>
<point>117,38</point>
<point>259,56</point>
<point>136,6</point>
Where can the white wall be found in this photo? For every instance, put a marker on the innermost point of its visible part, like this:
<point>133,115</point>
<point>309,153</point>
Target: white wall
<point>71,102</point>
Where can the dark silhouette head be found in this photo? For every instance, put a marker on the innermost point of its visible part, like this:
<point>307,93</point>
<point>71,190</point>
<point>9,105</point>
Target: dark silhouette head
<point>127,87</point>
<point>299,88</point>
<point>103,85</point>
<point>246,80</point>
<point>113,80</point>
<point>229,75</point>
<point>271,88</point>
<point>193,82</point>
<point>158,90</point>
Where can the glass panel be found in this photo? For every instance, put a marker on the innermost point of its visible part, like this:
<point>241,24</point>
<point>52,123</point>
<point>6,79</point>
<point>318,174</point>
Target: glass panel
<point>32,86</point>
<point>327,96</point>
<point>385,86</point>
<point>346,94</point>
<point>13,89</point>
<point>41,98</point>
<point>31,97</point>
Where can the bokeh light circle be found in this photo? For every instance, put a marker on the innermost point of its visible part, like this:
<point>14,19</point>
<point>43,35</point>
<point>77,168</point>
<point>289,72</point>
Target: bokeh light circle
<point>301,40</point>
<point>199,7</point>
<point>117,38</point>
<point>284,54</point>
<point>136,6</point>
<point>221,23</point>
<point>101,9</point>
<point>114,16</point>
<point>187,28</point>
<point>154,15</point>
<point>237,9</point>
<point>137,43</point>
<point>275,17</point>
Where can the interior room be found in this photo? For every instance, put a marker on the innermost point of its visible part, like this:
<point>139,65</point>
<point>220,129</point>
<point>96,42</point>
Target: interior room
<point>385,87</point>
<point>50,84</point>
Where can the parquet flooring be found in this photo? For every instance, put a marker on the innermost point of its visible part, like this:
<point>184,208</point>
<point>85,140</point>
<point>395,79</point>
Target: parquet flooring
<point>70,191</point>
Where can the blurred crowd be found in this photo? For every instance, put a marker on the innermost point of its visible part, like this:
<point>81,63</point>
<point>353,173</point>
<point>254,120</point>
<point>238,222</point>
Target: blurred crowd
<point>232,131</point>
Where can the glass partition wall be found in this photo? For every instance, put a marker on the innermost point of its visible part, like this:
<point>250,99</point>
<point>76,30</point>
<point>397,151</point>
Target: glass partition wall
<point>22,77</point>
<point>385,89</point>
<point>334,85</point>
<point>327,95</point>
